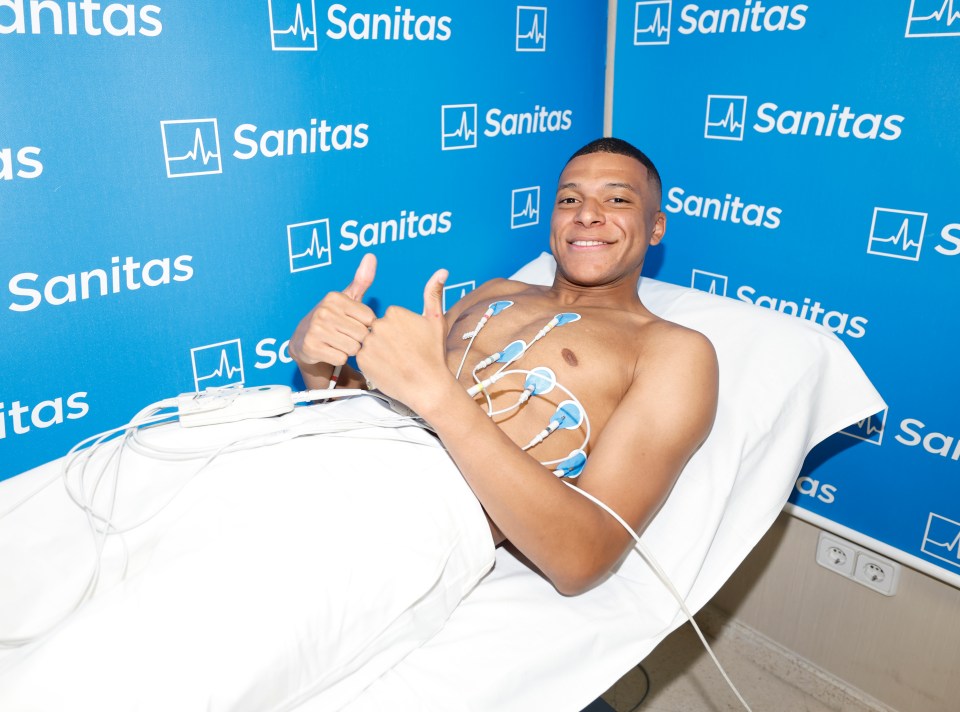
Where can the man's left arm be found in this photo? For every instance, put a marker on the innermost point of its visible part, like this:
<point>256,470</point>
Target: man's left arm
<point>663,418</point>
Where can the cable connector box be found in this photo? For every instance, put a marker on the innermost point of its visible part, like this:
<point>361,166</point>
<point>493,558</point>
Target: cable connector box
<point>232,403</point>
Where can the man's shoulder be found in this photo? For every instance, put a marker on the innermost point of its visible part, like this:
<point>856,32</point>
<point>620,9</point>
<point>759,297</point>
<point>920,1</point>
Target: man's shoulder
<point>670,346</point>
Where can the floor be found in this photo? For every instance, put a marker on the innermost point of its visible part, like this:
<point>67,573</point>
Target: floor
<point>683,678</point>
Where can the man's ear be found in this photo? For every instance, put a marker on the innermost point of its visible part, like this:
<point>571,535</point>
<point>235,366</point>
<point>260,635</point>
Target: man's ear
<point>659,227</point>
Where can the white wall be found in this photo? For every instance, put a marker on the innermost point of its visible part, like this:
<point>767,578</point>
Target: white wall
<point>903,650</point>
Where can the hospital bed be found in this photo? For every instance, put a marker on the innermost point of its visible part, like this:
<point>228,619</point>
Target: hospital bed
<point>484,633</point>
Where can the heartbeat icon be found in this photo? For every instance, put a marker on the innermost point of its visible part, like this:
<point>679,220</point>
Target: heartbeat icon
<point>463,130</point>
<point>223,368</point>
<point>946,10</point>
<point>528,210</point>
<point>942,539</point>
<point>535,34</point>
<point>901,239</point>
<point>656,27</point>
<point>198,151</point>
<point>314,250</point>
<point>728,121</point>
<point>298,27</point>
<point>868,427</point>
<point>953,547</point>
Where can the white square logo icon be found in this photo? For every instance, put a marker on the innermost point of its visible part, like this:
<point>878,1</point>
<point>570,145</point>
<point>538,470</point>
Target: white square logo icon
<point>726,116</point>
<point>453,293</point>
<point>897,234</point>
<point>933,18</point>
<point>217,365</point>
<point>531,29</point>
<point>709,282</point>
<point>525,207</point>
<point>191,147</point>
<point>941,539</point>
<point>651,22</point>
<point>869,429</point>
<point>458,126</point>
<point>293,25</point>
<point>309,245</point>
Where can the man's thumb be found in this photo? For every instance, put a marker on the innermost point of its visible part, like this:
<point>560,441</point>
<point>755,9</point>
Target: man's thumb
<point>433,294</point>
<point>363,278</point>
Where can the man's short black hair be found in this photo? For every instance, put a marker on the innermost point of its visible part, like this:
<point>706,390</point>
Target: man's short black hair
<point>608,144</point>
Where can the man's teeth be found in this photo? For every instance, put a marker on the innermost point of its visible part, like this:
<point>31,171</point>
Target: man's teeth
<point>588,243</point>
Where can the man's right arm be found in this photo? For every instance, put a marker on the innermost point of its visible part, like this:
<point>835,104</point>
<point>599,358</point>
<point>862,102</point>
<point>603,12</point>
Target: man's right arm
<point>333,331</point>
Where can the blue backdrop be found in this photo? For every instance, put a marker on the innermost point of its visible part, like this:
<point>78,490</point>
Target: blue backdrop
<point>810,162</point>
<point>181,181</point>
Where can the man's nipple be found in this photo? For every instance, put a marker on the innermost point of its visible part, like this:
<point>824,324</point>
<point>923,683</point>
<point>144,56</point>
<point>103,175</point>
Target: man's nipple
<point>570,357</point>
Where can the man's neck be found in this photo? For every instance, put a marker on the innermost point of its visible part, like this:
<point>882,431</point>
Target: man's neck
<point>619,294</point>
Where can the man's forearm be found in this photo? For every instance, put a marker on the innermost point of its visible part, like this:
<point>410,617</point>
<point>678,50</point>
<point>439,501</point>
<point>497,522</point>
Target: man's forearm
<point>557,529</point>
<point>318,375</point>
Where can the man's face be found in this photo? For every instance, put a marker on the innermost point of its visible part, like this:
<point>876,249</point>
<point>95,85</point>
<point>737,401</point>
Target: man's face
<point>605,216</point>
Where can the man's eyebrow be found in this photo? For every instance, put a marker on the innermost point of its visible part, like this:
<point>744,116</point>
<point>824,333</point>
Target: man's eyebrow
<point>574,186</point>
<point>628,186</point>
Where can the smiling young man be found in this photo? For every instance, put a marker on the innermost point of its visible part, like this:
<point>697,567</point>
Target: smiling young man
<point>648,386</point>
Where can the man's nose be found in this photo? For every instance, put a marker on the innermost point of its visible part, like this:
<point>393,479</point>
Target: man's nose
<point>589,212</point>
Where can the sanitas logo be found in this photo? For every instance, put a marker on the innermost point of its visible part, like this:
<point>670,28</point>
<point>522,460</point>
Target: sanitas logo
<point>811,487</point>
<point>752,17</point>
<point>728,209</point>
<point>20,163</point>
<point>540,120</point>
<point>42,415</point>
<point>32,290</point>
<point>838,322</point>
<point>191,147</point>
<point>458,123</point>
<point>841,123</point>
<point>44,17</point>
<point>900,233</point>
<point>652,19</point>
<point>934,442</point>
<point>402,24</point>
<point>726,119</point>
<point>408,225</point>
<point>319,136</point>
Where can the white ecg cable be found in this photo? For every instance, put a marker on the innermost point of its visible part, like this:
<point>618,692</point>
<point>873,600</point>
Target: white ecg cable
<point>84,483</point>
<point>665,580</point>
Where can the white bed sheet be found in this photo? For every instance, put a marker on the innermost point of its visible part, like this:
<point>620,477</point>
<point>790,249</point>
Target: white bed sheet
<point>515,644</point>
<point>300,569</point>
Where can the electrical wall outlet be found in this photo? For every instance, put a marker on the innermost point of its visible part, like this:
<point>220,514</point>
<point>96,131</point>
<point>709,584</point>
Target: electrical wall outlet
<point>836,554</point>
<point>876,572</point>
<point>862,565</point>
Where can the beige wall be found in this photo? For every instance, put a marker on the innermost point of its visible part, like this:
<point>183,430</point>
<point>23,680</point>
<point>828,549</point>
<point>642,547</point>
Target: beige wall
<point>902,650</point>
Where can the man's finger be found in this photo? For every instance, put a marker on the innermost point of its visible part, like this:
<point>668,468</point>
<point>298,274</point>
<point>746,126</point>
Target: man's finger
<point>363,277</point>
<point>433,294</point>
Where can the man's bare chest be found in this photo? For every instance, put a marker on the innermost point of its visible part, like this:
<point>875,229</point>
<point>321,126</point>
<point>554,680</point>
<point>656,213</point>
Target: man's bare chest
<point>578,355</point>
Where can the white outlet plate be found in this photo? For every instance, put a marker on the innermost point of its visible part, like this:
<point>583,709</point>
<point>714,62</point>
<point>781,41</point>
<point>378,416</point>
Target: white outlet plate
<point>876,572</point>
<point>862,565</point>
<point>836,554</point>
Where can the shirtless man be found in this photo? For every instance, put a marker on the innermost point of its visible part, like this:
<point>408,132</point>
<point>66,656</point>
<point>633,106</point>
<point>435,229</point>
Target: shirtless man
<point>648,386</point>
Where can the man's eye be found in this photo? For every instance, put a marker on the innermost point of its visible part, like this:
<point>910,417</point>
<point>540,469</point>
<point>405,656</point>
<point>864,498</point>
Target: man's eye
<point>567,201</point>
<point>618,199</point>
